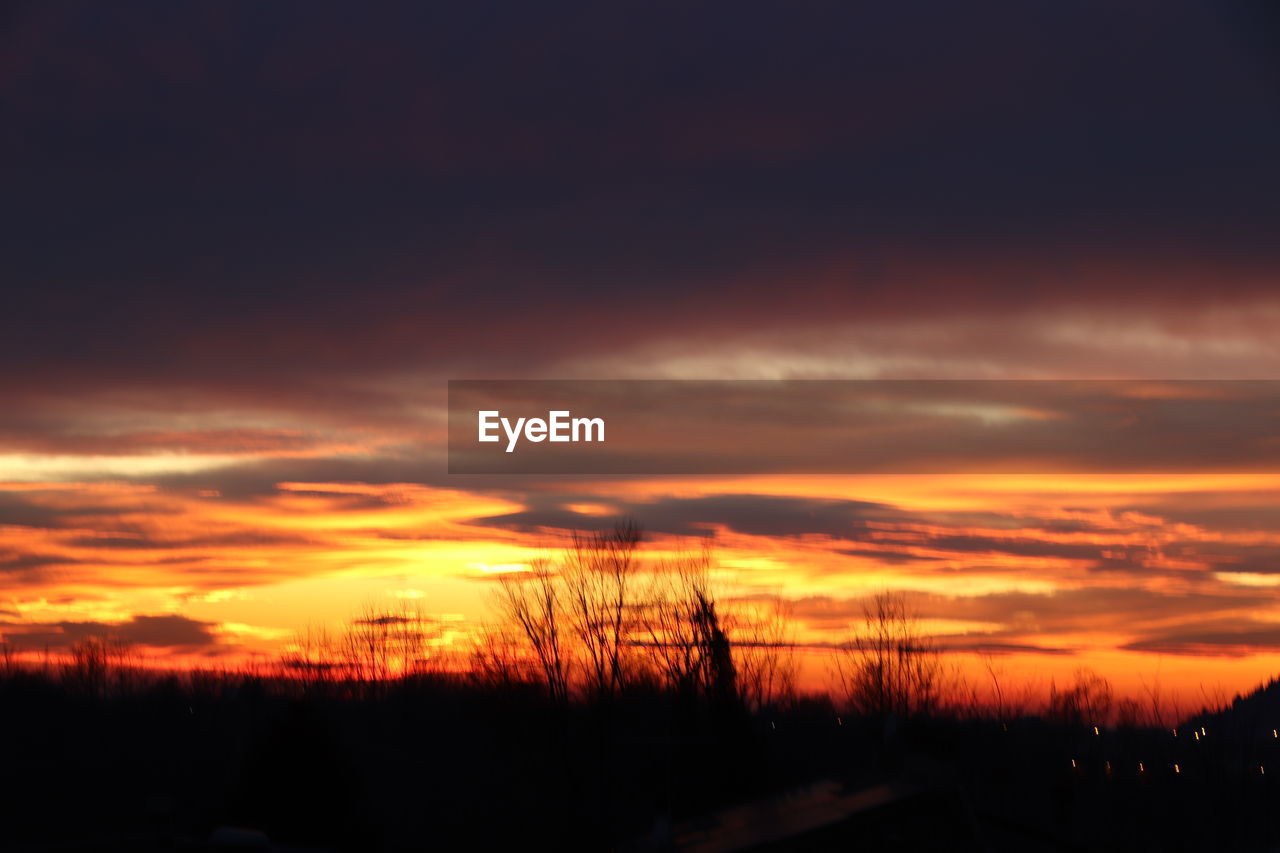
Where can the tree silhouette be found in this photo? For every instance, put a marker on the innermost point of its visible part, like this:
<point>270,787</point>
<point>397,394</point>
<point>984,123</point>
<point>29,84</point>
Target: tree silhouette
<point>890,666</point>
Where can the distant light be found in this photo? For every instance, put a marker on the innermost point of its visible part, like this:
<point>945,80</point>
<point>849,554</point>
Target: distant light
<point>1095,731</point>
<point>1073,762</point>
<point>1177,769</point>
<point>1197,735</point>
<point>1141,769</point>
<point>1203,732</point>
<point>1262,770</point>
<point>1175,732</point>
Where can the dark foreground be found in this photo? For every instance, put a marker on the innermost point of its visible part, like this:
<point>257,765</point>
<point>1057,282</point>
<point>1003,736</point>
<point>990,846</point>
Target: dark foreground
<point>446,764</point>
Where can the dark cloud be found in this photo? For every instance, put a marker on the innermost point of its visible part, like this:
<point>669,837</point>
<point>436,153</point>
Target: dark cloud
<point>65,509</point>
<point>231,442</point>
<point>251,196</point>
<point>938,541</point>
<point>1015,616</point>
<point>1120,609</point>
<point>968,644</point>
<point>884,532</point>
<point>387,619</point>
<point>161,631</point>
<point>888,556</point>
<point>1013,546</point>
<point>170,631</point>
<point>1225,638</point>
<point>151,542</point>
<point>756,515</point>
<point>1260,559</point>
<point>13,561</point>
<point>1241,509</point>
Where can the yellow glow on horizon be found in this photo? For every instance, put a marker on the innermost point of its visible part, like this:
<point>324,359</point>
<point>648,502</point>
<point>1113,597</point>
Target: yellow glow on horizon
<point>262,568</point>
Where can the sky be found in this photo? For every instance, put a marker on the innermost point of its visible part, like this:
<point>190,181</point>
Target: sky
<point>244,247</point>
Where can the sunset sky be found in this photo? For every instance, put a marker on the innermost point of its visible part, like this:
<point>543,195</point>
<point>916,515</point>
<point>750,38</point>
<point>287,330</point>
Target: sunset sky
<point>245,246</point>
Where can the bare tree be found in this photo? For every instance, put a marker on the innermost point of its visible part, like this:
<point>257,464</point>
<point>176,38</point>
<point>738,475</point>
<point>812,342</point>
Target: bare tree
<point>1005,700</point>
<point>597,573</point>
<point>366,648</point>
<point>1086,702</point>
<point>98,664</point>
<point>532,602</point>
<point>1130,714</point>
<point>313,657</point>
<point>683,632</point>
<point>1157,711</point>
<point>8,657</point>
<point>890,666</point>
<point>496,659</point>
<point>590,615</point>
<point>764,651</point>
<point>381,644</point>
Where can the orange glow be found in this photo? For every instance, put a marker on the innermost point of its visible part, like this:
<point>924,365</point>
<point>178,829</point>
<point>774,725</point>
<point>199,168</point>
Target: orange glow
<point>258,569</point>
